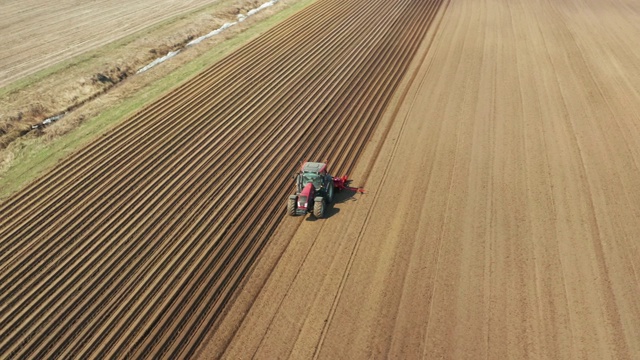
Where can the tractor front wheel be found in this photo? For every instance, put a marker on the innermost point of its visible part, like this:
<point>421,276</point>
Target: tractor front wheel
<point>318,208</point>
<point>291,206</point>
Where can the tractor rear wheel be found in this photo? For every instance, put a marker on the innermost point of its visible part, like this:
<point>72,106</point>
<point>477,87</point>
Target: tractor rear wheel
<point>330,191</point>
<point>318,208</point>
<point>291,207</point>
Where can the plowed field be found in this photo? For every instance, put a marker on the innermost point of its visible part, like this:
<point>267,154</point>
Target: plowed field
<point>132,246</point>
<point>498,142</point>
<point>502,219</point>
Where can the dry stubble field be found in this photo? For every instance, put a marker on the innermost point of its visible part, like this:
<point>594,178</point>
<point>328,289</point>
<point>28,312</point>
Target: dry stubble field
<point>502,219</point>
<point>37,34</point>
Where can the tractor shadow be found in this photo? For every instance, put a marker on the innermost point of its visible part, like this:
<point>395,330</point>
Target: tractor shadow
<point>340,197</point>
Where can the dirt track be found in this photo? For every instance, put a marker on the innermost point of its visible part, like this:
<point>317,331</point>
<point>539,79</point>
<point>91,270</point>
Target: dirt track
<point>503,213</point>
<point>133,245</point>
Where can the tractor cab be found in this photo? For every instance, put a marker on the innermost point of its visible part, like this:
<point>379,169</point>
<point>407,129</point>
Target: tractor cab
<point>312,172</point>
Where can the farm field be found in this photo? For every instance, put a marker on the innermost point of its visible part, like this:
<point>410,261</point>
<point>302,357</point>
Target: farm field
<point>37,34</point>
<point>496,141</point>
<point>501,219</point>
<point>134,245</point>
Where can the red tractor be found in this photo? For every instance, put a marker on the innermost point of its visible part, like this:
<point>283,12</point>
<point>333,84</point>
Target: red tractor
<point>314,183</point>
<point>314,190</point>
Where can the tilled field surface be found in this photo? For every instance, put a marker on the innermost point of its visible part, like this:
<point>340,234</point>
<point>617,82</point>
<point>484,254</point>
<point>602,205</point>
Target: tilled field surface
<point>502,214</point>
<point>132,246</point>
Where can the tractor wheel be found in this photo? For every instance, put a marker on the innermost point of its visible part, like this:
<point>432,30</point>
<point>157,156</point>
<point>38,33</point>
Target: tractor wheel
<point>330,191</point>
<point>291,207</point>
<point>318,208</point>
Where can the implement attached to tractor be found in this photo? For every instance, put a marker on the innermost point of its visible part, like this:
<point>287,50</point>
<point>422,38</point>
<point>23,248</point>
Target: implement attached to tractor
<point>314,183</point>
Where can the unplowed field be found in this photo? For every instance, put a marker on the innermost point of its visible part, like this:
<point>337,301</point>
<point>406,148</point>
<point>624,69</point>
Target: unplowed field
<point>37,34</point>
<point>502,219</point>
<point>132,246</point>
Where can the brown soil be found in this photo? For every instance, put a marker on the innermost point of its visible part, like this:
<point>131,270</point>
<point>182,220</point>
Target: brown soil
<point>503,213</point>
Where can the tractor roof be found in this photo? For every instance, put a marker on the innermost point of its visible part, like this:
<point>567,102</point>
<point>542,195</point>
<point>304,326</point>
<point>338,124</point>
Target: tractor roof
<point>313,167</point>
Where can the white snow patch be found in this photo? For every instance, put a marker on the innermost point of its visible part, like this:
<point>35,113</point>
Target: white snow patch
<point>252,12</point>
<point>159,61</point>
<point>211,34</point>
<point>261,7</point>
<point>48,121</point>
<point>215,32</point>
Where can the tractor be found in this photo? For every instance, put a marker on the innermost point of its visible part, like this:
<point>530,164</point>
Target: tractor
<point>314,190</point>
<point>314,183</point>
